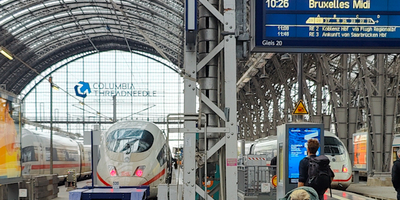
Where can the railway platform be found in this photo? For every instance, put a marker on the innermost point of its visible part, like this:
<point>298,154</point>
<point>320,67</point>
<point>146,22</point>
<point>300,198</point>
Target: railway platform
<point>357,191</point>
<point>374,192</point>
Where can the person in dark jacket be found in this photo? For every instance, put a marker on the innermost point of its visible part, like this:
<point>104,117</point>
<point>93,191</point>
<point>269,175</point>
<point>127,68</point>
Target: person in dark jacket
<point>396,174</point>
<point>273,161</point>
<point>273,165</point>
<point>312,148</point>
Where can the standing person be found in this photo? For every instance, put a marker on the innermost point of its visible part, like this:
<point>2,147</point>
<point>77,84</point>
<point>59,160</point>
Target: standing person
<point>323,181</point>
<point>273,165</point>
<point>396,174</point>
<point>273,161</point>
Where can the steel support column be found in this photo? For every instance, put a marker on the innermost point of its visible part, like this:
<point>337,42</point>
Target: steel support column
<point>189,149</point>
<point>230,99</point>
<point>223,113</point>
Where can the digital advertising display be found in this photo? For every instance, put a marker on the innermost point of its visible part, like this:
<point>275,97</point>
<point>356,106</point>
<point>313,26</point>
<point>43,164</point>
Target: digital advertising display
<point>326,25</point>
<point>360,146</point>
<point>10,164</point>
<point>297,148</point>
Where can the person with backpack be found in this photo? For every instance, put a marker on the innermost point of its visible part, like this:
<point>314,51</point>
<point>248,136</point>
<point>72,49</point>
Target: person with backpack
<point>301,193</point>
<point>396,174</point>
<point>315,171</point>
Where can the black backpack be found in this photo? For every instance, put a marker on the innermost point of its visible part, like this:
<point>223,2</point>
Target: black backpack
<point>319,173</point>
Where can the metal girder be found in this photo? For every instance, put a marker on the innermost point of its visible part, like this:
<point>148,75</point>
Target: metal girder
<point>358,90</point>
<point>36,31</point>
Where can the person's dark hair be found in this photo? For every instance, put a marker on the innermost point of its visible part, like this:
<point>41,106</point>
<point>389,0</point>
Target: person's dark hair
<point>313,145</point>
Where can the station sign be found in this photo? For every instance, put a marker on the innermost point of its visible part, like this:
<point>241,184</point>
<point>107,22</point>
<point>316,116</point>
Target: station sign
<point>343,26</point>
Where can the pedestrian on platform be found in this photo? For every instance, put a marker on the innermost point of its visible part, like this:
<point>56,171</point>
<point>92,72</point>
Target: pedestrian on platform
<point>320,182</point>
<point>273,165</point>
<point>273,161</point>
<point>396,174</point>
<point>301,193</point>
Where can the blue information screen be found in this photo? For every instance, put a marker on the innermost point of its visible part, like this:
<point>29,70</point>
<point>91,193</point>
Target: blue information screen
<point>298,138</point>
<point>327,25</point>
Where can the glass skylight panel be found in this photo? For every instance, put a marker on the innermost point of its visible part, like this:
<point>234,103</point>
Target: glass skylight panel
<point>53,3</point>
<point>5,20</point>
<point>4,2</point>
<point>21,13</point>
<point>36,7</point>
<point>61,15</point>
<point>32,24</point>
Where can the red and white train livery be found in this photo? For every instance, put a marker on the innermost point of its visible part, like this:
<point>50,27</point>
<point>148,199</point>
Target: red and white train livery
<point>134,153</point>
<point>67,154</point>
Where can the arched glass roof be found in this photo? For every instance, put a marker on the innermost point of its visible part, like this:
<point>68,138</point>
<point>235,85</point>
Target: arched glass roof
<point>42,33</point>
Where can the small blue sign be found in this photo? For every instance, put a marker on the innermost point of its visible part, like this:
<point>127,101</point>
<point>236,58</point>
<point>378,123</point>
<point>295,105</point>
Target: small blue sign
<point>80,90</point>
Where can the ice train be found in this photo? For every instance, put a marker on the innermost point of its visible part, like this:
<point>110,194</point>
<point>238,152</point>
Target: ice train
<point>134,153</point>
<point>68,154</point>
<point>334,149</point>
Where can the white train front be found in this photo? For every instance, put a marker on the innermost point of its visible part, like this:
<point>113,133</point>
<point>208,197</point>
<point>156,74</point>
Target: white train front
<point>134,153</point>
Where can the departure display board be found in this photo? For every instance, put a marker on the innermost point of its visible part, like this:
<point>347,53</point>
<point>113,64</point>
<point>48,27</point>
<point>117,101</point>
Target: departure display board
<point>326,26</point>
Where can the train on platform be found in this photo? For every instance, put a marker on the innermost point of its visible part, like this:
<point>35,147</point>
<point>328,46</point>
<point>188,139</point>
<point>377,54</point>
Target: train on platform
<point>334,149</point>
<point>134,153</point>
<point>68,155</point>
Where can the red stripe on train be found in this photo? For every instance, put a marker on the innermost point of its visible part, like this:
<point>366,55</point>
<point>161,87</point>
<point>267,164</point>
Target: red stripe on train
<point>155,178</point>
<point>147,183</point>
<point>342,180</point>
<point>47,166</point>
<point>102,180</point>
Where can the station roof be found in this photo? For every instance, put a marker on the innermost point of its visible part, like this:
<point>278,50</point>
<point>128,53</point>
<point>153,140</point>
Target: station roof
<point>42,33</point>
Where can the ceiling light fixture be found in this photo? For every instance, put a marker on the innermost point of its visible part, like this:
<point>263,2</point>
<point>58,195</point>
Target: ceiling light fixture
<point>6,53</point>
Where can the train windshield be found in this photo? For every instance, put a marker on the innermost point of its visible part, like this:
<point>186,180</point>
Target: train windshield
<point>130,140</point>
<point>333,146</point>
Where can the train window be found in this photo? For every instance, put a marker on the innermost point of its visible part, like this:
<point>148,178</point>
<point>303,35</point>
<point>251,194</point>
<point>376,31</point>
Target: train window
<point>90,156</point>
<point>333,146</point>
<point>55,156</point>
<point>161,155</point>
<point>71,155</point>
<point>130,140</point>
<point>29,154</point>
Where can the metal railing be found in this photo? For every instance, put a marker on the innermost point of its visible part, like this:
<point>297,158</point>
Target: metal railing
<point>253,180</point>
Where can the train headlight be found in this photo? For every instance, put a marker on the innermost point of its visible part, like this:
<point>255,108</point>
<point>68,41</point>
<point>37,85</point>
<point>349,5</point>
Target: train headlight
<point>112,170</point>
<point>344,169</point>
<point>139,170</point>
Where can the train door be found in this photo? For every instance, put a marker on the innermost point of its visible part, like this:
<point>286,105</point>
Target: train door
<point>81,159</point>
<point>42,155</point>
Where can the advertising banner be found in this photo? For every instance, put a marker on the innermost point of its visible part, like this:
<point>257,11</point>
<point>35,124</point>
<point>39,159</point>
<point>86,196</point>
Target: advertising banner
<point>10,165</point>
<point>297,142</point>
<point>360,146</point>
